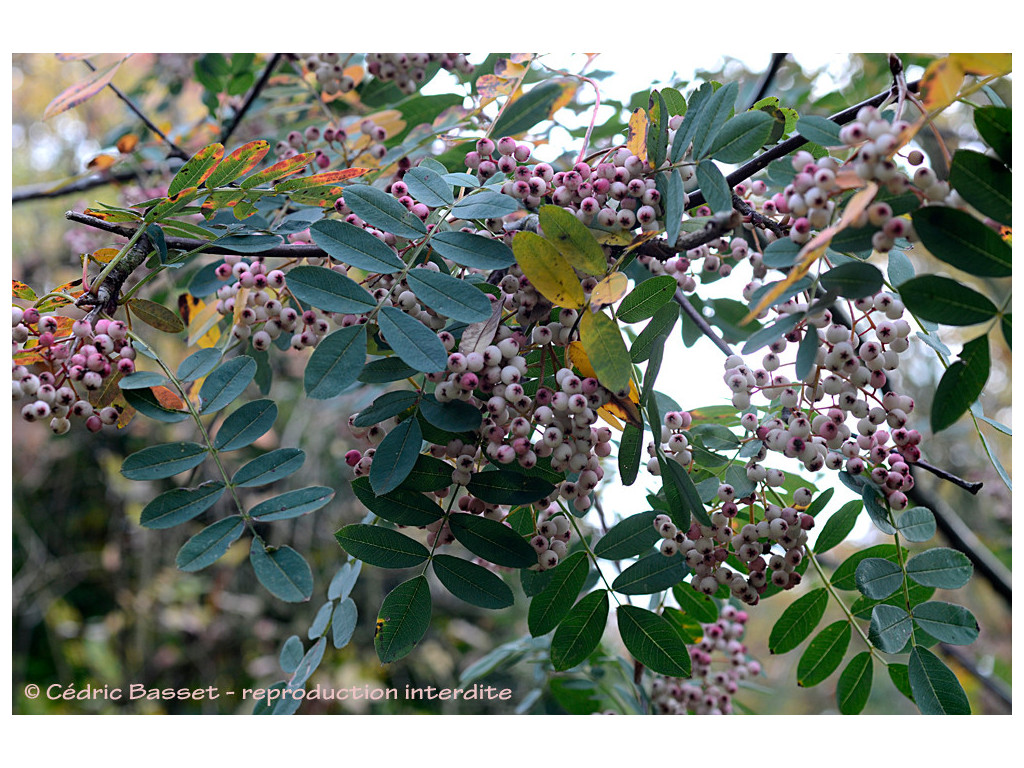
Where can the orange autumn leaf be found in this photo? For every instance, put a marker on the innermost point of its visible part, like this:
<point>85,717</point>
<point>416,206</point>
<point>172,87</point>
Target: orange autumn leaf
<point>21,291</point>
<point>101,162</point>
<point>167,398</point>
<point>127,143</point>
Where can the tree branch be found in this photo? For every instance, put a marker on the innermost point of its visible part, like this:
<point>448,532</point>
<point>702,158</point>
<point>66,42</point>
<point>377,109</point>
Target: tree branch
<point>968,486</point>
<point>176,151</point>
<point>291,251</point>
<point>54,189</point>
<point>253,94</point>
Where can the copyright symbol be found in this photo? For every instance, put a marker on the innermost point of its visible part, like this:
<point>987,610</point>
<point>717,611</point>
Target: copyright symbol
<point>32,691</point>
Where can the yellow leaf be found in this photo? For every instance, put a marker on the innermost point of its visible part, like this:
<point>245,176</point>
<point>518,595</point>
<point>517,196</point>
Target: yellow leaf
<point>815,248</point>
<point>608,291</point>
<point>240,300</point>
<point>984,64</point>
<point>941,83</point>
<point>552,276</point>
<point>490,87</point>
<point>104,255</point>
<point>509,68</point>
<point>636,138</point>
<point>617,409</point>
<point>568,92</point>
<point>201,319</point>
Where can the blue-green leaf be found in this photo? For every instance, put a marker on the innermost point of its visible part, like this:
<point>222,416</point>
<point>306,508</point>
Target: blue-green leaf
<point>890,628</point>
<point>292,504</point>
<point>417,345</point>
<point>940,567</point>
<point>740,137</point>
<point>160,461</point>
<point>475,251</point>
<point>485,204</point>
<point>381,210</point>
<point>716,189</point>
<point>651,574</point>
<point>328,290</point>
<point>226,383</point>
<point>946,622</point>
<point>180,505</point>
<point>355,246</point>
<point>428,187</point>
<point>269,468</point>
<point>207,546</point>
<point>396,456</point>
<point>346,616</point>
<point>198,364</point>
<point>284,572</point>
<point>449,296</point>
<point>336,363</point>
<point>246,425</point>
<point>878,578</point>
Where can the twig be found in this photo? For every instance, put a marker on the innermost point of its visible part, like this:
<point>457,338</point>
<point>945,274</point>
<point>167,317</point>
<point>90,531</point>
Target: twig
<point>176,151</point>
<point>968,486</point>
<point>783,149</point>
<point>253,94</point>
<point>50,189</point>
<point>757,219</point>
<point>768,77</point>
<point>291,251</point>
<point>698,319</point>
<point>720,224</point>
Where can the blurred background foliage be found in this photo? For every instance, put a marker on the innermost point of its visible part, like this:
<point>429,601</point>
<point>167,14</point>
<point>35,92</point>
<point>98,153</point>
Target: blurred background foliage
<point>97,599</point>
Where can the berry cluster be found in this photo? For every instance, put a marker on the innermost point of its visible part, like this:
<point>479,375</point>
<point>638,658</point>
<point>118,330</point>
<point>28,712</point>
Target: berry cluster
<point>719,663</point>
<point>356,142</point>
<point>851,376</point>
<point>409,70</point>
<point>615,194</point>
<point>330,73</point>
<point>77,360</point>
